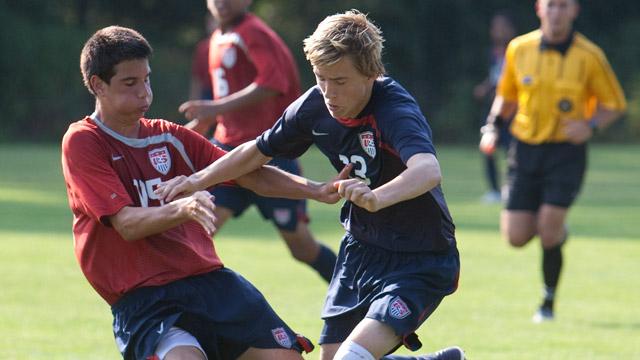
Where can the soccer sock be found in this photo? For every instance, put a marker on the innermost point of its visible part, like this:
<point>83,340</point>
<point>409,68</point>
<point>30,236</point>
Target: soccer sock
<point>324,263</point>
<point>551,268</point>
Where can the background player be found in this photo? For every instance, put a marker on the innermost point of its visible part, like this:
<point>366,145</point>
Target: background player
<point>398,258</point>
<point>254,78</point>
<point>562,91</point>
<point>152,261</point>
<point>501,31</point>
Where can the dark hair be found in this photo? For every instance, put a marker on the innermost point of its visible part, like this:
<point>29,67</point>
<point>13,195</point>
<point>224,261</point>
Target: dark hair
<point>107,48</point>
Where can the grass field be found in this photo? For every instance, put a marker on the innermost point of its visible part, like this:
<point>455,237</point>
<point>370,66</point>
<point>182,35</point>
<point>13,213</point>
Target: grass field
<point>48,310</point>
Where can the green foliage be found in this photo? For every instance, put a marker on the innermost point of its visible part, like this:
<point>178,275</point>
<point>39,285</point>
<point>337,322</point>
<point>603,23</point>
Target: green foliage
<point>49,311</point>
<point>436,49</point>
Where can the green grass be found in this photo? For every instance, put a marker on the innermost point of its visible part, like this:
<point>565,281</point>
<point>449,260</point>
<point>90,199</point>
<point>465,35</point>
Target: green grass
<point>48,310</point>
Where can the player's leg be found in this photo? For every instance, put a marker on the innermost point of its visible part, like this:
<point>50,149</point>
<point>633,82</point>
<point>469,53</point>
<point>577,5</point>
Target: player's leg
<point>518,227</point>
<point>270,354</point>
<point>290,218</point>
<point>553,233</point>
<point>304,247</point>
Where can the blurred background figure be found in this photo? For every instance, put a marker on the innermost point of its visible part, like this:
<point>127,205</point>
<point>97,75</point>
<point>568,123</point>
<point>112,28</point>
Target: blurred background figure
<point>254,79</point>
<point>501,31</point>
<point>200,87</point>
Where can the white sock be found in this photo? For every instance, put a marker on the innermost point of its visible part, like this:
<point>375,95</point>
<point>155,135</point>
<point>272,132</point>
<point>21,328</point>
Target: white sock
<point>349,350</point>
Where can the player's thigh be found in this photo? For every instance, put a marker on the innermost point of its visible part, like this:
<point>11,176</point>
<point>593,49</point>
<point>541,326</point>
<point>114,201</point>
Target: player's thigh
<point>327,351</point>
<point>301,243</point>
<point>518,226</point>
<point>270,354</point>
<point>185,353</point>
<point>551,220</point>
<point>375,336</point>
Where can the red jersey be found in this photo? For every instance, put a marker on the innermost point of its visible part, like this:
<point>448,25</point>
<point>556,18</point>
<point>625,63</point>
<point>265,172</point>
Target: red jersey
<point>251,52</point>
<point>104,172</point>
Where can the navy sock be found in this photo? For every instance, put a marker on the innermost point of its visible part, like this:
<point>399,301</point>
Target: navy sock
<point>324,263</point>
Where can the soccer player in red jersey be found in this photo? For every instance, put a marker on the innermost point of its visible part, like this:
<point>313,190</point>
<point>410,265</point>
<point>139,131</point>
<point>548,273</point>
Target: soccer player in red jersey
<point>254,79</point>
<point>153,261</point>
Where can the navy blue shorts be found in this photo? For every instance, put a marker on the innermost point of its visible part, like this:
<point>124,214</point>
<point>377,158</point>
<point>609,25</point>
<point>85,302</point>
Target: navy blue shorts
<point>399,289</point>
<point>544,174</point>
<point>221,309</point>
<point>284,213</point>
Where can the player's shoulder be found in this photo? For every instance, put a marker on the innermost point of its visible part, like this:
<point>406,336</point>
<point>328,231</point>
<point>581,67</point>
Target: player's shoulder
<point>390,95</point>
<point>528,40</point>
<point>582,43</point>
<point>80,131</point>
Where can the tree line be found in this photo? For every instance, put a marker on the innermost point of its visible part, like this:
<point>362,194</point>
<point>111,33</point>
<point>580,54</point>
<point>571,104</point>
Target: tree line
<point>438,49</point>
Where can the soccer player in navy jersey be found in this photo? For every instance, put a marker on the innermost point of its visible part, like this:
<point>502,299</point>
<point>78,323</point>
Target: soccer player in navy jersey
<point>398,258</point>
<point>152,261</point>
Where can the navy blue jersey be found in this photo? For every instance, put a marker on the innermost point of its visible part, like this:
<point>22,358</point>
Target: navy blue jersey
<point>388,131</point>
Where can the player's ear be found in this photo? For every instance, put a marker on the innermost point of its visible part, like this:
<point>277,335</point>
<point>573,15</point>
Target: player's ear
<point>97,84</point>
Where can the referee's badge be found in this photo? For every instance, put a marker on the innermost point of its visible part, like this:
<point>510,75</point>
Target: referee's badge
<point>160,159</point>
<point>398,309</point>
<point>368,143</point>
<point>565,105</point>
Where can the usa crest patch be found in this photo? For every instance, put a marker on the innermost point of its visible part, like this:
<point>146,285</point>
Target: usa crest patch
<point>281,337</point>
<point>367,141</point>
<point>160,159</point>
<point>398,308</point>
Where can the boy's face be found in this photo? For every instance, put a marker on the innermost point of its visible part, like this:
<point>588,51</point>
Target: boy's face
<point>345,90</point>
<point>129,92</point>
<point>227,11</point>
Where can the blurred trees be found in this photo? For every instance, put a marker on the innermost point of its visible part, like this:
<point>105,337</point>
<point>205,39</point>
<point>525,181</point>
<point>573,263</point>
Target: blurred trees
<point>437,49</point>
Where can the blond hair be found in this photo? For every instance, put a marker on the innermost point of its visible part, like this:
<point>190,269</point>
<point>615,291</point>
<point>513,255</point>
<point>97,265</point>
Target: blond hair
<point>349,34</point>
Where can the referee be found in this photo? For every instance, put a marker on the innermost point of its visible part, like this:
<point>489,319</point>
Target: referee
<point>563,91</point>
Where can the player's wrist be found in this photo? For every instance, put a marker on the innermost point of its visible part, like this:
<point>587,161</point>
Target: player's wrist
<point>593,125</point>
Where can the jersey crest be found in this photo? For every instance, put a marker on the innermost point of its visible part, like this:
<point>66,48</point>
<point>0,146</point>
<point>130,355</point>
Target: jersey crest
<point>368,143</point>
<point>398,308</point>
<point>160,159</point>
<point>281,337</point>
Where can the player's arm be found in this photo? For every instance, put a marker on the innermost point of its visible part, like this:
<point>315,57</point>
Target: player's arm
<point>240,161</point>
<point>133,223</point>
<point>202,113</point>
<point>421,175</point>
<point>273,182</point>
<point>501,109</point>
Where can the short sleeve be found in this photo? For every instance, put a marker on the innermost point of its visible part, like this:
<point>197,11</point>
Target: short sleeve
<point>266,55</point>
<point>408,134</point>
<point>289,137</point>
<point>604,85</point>
<point>93,185</point>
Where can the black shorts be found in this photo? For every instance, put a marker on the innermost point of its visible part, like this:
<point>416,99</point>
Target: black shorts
<point>550,173</point>
<point>284,213</point>
<point>399,289</point>
<point>222,310</point>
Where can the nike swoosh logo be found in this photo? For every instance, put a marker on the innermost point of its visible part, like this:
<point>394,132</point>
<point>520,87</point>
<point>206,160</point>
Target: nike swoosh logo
<point>116,157</point>
<point>161,327</point>
<point>315,133</point>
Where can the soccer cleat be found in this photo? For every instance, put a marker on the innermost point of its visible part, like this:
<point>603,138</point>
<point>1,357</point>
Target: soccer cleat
<point>544,314</point>
<point>450,353</point>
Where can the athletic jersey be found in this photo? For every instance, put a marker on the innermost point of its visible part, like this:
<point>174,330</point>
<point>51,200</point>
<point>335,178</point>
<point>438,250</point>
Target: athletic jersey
<point>104,172</point>
<point>551,83</point>
<point>251,53</point>
<point>388,131</point>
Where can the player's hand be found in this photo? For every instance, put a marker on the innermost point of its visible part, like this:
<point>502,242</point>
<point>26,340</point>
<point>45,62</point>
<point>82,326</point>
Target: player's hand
<point>203,110</point>
<point>199,207</point>
<point>356,191</point>
<point>576,131</point>
<point>329,190</point>
<point>201,127</point>
<point>489,140</point>
<point>179,186</point>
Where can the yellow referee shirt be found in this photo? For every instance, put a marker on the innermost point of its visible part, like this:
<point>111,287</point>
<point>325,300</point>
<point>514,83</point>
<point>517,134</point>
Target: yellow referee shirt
<point>550,85</point>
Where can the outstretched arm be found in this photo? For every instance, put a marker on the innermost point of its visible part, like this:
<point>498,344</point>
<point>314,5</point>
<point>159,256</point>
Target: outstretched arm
<point>421,175</point>
<point>273,182</point>
<point>242,160</point>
